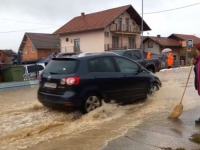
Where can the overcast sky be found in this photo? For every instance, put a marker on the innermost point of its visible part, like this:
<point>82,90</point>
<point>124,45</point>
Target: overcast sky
<point>52,14</point>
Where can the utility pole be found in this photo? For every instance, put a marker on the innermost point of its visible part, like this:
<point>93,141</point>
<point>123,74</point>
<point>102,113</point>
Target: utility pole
<point>142,29</point>
<point>186,60</point>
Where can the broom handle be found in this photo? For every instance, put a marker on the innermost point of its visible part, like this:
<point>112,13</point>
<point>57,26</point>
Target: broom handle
<point>186,83</point>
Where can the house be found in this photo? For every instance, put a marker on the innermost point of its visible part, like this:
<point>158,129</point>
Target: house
<point>101,31</point>
<point>183,37</point>
<point>6,56</point>
<point>36,46</point>
<point>155,44</point>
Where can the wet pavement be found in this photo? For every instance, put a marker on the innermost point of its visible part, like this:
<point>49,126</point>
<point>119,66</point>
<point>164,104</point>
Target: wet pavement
<point>26,124</point>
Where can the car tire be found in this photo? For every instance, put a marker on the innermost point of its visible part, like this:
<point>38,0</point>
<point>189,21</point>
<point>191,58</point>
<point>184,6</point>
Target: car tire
<point>91,102</point>
<point>152,88</point>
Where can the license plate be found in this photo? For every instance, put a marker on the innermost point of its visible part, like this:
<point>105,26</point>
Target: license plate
<point>50,85</point>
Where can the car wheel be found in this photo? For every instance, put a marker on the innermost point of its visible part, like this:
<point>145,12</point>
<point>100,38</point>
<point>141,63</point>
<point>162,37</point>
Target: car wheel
<point>91,102</point>
<point>153,88</point>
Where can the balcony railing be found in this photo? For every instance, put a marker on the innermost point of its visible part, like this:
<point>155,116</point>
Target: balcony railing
<point>116,46</point>
<point>124,28</point>
<point>67,49</point>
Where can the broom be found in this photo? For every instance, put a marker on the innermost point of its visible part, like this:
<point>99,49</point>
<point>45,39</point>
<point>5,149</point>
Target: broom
<point>179,108</point>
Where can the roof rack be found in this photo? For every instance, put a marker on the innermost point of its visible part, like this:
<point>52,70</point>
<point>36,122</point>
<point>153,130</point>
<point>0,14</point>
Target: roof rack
<point>95,53</point>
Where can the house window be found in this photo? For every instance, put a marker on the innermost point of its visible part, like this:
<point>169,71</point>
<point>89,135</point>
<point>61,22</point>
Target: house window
<point>115,42</point>
<point>150,44</point>
<point>67,39</point>
<point>32,49</point>
<point>127,24</point>
<point>25,50</point>
<point>119,24</point>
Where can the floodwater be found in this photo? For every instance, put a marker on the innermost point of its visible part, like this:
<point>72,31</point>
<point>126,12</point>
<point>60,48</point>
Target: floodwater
<point>26,124</point>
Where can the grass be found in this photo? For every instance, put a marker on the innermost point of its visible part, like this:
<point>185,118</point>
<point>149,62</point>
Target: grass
<point>196,138</point>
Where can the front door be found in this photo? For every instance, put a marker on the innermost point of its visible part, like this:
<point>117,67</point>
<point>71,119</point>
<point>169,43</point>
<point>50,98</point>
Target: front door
<point>134,83</point>
<point>131,42</point>
<point>77,46</point>
<point>105,75</point>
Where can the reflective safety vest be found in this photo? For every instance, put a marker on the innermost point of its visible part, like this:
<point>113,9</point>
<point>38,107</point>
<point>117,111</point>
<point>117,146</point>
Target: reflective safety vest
<point>170,59</point>
<point>148,55</point>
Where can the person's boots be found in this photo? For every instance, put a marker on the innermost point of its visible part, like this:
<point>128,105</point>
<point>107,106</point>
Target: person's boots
<point>197,121</point>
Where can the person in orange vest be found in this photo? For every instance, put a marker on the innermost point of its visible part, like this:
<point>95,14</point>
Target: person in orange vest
<point>170,60</point>
<point>148,55</point>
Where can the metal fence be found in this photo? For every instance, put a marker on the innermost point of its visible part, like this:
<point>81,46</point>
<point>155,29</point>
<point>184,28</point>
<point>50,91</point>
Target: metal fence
<point>67,49</point>
<point>116,46</point>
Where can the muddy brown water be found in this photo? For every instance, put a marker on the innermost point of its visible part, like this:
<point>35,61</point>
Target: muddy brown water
<point>26,124</point>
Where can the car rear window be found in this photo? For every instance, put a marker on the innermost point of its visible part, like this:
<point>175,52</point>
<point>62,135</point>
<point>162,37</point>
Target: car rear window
<point>61,67</point>
<point>136,55</point>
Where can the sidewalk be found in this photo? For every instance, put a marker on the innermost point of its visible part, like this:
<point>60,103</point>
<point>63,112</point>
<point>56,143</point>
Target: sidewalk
<point>16,85</point>
<point>160,133</point>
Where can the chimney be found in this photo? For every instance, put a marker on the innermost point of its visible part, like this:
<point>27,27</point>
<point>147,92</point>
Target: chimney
<point>82,14</point>
<point>158,37</point>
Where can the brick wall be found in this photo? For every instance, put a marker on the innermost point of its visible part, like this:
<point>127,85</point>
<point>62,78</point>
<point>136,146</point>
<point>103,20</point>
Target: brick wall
<point>3,57</point>
<point>29,52</point>
<point>42,53</point>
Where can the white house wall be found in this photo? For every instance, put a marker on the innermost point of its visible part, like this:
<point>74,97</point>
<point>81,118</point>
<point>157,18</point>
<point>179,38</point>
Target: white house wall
<point>125,40</point>
<point>155,49</point>
<point>91,41</point>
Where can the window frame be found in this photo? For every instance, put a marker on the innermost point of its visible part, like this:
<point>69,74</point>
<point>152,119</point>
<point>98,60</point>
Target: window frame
<point>108,57</point>
<point>119,24</point>
<point>127,24</point>
<point>25,49</point>
<point>149,46</point>
<point>32,49</point>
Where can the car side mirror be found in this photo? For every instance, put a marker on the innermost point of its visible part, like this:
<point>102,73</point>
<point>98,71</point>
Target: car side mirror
<point>140,69</point>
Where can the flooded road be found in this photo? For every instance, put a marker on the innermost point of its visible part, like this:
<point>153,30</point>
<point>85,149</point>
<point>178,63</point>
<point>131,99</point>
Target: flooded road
<point>26,124</point>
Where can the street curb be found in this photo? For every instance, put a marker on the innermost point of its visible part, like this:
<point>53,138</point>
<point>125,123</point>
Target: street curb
<point>22,84</point>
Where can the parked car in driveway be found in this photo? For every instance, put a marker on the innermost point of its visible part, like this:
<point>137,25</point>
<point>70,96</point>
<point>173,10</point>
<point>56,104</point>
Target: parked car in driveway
<point>84,81</point>
<point>152,64</point>
<point>32,71</point>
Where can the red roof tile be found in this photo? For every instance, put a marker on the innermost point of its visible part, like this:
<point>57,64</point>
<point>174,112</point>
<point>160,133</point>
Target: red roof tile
<point>41,41</point>
<point>98,20</point>
<point>164,41</point>
<point>186,37</point>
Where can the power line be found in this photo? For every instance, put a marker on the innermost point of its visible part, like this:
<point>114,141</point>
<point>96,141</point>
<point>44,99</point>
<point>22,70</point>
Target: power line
<point>59,26</point>
<point>172,9</point>
<point>24,21</point>
<point>28,30</point>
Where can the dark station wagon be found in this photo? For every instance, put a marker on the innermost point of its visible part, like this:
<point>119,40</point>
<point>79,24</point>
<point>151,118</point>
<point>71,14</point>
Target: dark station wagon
<point>84,82</point>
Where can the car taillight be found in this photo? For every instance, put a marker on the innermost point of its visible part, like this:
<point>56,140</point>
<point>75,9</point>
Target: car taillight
<point>70,81</point>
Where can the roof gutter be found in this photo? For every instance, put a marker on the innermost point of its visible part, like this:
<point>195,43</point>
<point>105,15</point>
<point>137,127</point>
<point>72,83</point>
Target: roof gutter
<point>63,33</point>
